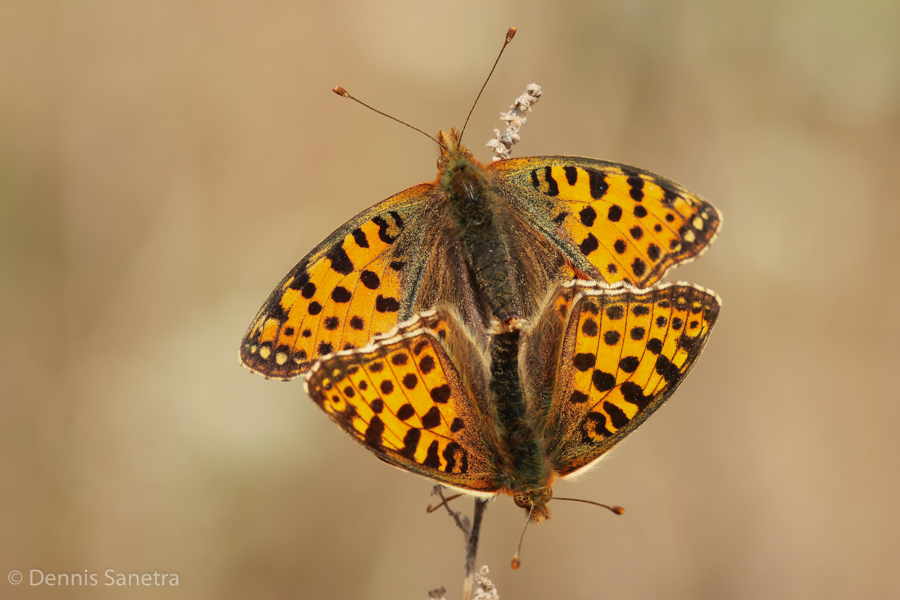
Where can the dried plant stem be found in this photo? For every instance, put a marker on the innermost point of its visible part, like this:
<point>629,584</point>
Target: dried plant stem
<point>471,531</point>
<point>472,548</point>
<point>515,118</point>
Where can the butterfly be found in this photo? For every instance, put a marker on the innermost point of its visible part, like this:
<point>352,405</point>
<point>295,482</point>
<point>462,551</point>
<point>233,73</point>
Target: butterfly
<point>487,240</point>
<point>543,401</point>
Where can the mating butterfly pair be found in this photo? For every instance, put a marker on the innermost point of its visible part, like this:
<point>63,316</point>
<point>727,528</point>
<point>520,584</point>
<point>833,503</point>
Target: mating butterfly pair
<point>503,372</point>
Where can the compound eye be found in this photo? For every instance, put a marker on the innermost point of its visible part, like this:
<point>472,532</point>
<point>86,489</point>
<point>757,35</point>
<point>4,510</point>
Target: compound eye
<point>442,162</point>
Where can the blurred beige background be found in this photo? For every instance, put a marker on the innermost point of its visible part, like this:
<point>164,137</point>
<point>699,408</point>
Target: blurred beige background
<point>163,163</point>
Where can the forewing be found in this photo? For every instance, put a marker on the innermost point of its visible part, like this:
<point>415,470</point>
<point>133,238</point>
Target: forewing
<point>357,283</point>
<point>404,400</point>
<point>611,221</point>
<point>624,353</point>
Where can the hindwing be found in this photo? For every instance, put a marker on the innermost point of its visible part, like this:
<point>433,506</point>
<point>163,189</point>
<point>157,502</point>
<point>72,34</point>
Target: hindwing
<point>403,398</point>
<point>623,353</point>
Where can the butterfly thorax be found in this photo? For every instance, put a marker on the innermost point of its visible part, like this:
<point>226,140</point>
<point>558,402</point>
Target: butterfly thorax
<point>473,209</point>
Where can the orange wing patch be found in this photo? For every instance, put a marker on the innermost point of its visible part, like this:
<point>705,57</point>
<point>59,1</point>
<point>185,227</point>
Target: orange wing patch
<point>344,292</point>
<point>621,223</point>
<point>404,400</point>
<point>625,352</point>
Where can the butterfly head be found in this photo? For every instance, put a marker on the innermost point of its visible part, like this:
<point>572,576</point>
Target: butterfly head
<point>451,149</point>
<point>535,502</point>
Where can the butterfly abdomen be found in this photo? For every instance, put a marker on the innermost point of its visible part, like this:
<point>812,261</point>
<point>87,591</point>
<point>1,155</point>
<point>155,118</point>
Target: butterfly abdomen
<point>524,462</point>
<point>473,208</point>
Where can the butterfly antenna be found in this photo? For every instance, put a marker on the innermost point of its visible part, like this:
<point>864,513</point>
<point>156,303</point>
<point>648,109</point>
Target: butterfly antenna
<point>342,92</point>
<point>516,563</point>
<point>616,509</point>
<point>431,509</point>
<point>509,36</point>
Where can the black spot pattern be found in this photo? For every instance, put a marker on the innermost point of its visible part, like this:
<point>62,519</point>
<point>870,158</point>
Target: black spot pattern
<point>426,365</point>
<point>384,305</point>
<point>589,244</point>
<point>629,364</point>
<point>387,387</point>
<point>411,441</point>
<point>637,188</point>
<point>384,227</point>
<point>399,359</point>
<point>634,393</point>
<point>611,337</point>
<point>359,236</point>
<point>341,295</point>
<point>615,213</point>
<point>432,418</point>
<point>331,323</point>
<point>301,278</point>
<point>602,381</point>
<point>374,432</point>
<point>599,420</point>
<point>431,457</point>
<point>637,333</point>
<point>325,348</point>
<point>589,328</point>
<point>615,312</point>
<point>667,369</point>
<point>314,308</point>
<point>340,262</point>
<point>308,290</point>
<point>578,397</point>
<point>584,361</point>
<point>636,232</point>
<point>640,212</point>
<point>587,215</point>
<point>571,175</point>
<point>405,412</point>
<point>655,345</point>
<point>356,323</point>
<point>441,394</point>
<point>653,252</point>
<point>597,183</point>
<point>457,425</point>
<point>552,186</point>
<point>640,310</point>
<point>370,280</point>
<point>616,415</point>
<point>639,267</point>
<point>619,246</point>
<point>450,456</point>
<point>410,381</point>
<point>377,404</point>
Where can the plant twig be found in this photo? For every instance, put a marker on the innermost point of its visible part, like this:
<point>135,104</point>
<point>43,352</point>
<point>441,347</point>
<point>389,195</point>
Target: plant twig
<point>515,118</point>
<point>471,531</point>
